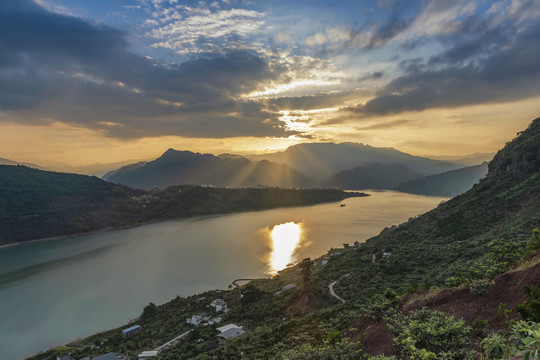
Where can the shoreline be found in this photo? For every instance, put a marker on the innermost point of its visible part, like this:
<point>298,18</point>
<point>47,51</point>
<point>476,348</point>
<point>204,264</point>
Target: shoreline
<point>126,227</point>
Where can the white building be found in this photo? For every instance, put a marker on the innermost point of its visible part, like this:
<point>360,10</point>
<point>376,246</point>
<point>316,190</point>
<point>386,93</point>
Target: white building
<point>198,319</point>
<point>219,305</point>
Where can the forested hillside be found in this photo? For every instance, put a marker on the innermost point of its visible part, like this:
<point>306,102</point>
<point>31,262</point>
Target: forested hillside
<point>37,204</point>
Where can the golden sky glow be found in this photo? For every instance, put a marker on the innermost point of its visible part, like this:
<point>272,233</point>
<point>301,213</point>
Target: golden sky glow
<point>109,83</point>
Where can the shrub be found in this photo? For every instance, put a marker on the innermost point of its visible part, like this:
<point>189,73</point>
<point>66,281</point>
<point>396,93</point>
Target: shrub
<point>426,333</point>
<point>530,309</point>
<point>496,347</point>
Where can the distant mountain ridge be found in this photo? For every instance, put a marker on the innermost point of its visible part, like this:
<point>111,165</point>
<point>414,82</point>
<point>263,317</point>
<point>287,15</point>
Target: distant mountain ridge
<point>371,176</point>
<point>325,159</point>
<point>185,167</point>
<point>450,183</point>
<point>345,166</point>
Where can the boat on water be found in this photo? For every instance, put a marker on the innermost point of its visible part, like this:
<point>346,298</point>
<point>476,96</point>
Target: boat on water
<point>342,205</point>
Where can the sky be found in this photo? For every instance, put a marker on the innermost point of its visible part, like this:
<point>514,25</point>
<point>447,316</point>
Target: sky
<point>87,81</point>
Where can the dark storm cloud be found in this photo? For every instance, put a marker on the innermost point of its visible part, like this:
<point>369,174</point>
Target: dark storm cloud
<point>478,66</point>
<point>63,68</point>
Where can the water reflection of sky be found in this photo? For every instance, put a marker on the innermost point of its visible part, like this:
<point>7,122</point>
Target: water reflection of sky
<point>285,240</point>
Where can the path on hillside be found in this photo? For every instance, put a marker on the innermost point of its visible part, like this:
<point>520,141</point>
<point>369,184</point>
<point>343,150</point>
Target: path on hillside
<point>331,289</point>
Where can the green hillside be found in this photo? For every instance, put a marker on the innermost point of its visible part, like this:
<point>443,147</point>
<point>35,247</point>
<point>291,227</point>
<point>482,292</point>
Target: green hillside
<point>37,204</point>
<point>456,249</point>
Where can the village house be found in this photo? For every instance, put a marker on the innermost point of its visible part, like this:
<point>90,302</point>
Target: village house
<point>229,332</point>
<point>219,305</point>
<point>130,331</point>
<point>148,354</point>
<point>198,319</point>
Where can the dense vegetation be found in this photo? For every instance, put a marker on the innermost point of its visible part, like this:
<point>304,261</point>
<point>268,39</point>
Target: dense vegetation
<point>38,204</point>
<point>466,246</point>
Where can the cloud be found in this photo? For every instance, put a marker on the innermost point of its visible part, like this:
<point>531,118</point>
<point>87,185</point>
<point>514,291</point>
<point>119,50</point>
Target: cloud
<point>197,30</point>
<point>62,68</point>
<point>485,62</point>
<point>388,125</point>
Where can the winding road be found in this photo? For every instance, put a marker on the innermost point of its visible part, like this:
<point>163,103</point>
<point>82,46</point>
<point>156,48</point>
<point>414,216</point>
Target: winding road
<point>331,289</point>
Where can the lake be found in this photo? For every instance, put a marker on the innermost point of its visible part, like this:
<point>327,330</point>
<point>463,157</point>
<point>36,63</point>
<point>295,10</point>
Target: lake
<point>54,291</point>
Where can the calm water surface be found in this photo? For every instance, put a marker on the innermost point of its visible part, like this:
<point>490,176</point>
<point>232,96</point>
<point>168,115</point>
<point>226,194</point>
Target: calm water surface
<point>55,291</point>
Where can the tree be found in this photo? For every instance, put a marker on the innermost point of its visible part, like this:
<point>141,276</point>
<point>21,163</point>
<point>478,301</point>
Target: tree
<point>149,311</point>
<point>305,269</point>
<point>250,294</point>
<point>479,288</point>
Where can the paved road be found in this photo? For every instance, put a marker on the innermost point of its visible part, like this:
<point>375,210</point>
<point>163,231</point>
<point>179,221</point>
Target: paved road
<point>333,293</point>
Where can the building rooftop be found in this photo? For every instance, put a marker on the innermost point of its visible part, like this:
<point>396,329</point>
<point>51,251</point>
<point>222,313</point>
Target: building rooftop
<point>231,334</point>
<point>224,328</point>
<point>147,354</point>
<point>108,356</point>
<point>131,328</point>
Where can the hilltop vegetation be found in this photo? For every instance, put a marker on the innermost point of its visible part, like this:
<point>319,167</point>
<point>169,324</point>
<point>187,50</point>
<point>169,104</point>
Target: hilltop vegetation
<point>478,250</point>
<point>37,204</point>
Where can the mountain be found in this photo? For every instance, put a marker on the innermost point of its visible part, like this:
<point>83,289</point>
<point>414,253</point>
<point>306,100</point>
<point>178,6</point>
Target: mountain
<point>185,167</point>
<point>470,257</point>
<point>371,176</point>
<point>466,160</point>
<point>450,183</point>
<point>37,204</point>
<point>319,160</point>
<point>4,161</point>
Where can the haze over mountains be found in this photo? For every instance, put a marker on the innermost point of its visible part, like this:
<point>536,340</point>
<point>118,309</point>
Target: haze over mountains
<point>344,166</point>
<point>185,167</point>
<point>450,183</point>
<point>325,159</point>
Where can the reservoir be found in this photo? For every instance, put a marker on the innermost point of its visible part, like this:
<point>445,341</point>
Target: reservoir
<point>54,291</point>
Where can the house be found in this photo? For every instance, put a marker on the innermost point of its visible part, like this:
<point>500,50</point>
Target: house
<point>229,332</point>
<point>147,354</point>
<point>325,260</point>
<point>130,331</point>
<point>386,254</point>
<point>198,319</point>
<point>219,305</point>
<point>227,327</point>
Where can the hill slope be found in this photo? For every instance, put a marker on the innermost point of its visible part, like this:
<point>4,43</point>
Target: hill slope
<point>450,183</point>
<point>37,204</point>
<point>184,167</point>
<point>371,176</point>
<point>319,160</point>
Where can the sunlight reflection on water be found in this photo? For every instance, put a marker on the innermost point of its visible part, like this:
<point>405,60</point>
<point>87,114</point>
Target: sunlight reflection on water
<point>285,240</point>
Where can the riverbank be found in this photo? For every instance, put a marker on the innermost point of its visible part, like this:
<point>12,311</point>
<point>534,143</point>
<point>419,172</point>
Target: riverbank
<point>178,202</point>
